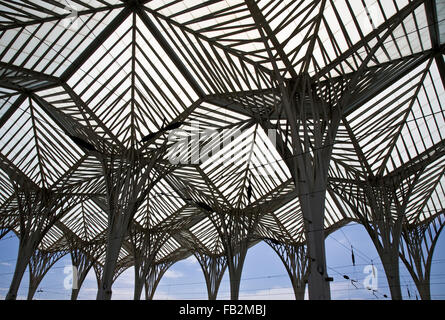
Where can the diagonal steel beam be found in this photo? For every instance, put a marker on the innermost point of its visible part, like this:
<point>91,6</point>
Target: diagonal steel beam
<point>57,17</point>
<point>170,52</point>
<point>310,49</point>
<point>261,22</point>
<point>215,43</point>
<point>82,105</point>
<point>433,23</point>
<point>68,124</point>
<point>395,19</point>
<point>30,73</point>
<point>12,109</point>
<point>96,43</point>
<point>15,173</point>
<point>383,81</point>
<point>419,163</point>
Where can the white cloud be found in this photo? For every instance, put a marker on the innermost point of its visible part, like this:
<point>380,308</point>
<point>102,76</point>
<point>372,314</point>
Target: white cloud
<point>269,294</point>
<point>344,290</point>
<point>126,278</point>
<point>161,295</point>
<point>6,264</point>
<point>341,290</point>
<point>190,260</point>
<point>173,274</point>
<point>123,294</point>
<point>19,297</point>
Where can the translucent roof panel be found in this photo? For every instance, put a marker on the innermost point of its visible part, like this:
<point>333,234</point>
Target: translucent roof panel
<point>88,85</point>
<point>169,247</point>
<point>7,98</point>
<point>86,220</point>
<point>205,55</point>
<point>54,239</point>
<point>425,122</point>
<point>52,46</point>
<point>33,12</point>
<point>285,222</point>
<point>162,203</point>
<point>6,187</point>
<point>431,181</point>
<point>377,124</point>
<point>248,163</point>
<point>225,23</point>
<point>205,234</point>
<point>32,141</point>
<point>133,89</point>
<point>340,49</point>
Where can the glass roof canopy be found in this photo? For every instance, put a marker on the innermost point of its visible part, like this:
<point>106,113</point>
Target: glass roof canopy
<point>114,72</point>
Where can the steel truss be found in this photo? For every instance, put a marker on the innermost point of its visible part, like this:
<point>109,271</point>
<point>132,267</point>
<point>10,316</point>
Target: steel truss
<point>335,113</point>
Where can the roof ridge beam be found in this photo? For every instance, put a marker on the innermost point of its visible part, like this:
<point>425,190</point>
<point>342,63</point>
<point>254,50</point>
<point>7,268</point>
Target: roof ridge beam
<point>261,22</point>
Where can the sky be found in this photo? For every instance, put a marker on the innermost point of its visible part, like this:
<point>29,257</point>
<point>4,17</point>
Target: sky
<point>264,276</point>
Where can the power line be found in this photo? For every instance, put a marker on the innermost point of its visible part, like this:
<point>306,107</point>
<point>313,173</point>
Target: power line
<point>361,254</point>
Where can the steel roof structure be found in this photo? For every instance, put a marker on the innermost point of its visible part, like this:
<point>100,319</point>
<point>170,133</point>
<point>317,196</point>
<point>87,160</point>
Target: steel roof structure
<point>136,133</point>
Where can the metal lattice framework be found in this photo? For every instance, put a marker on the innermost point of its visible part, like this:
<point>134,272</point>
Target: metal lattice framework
<point>298,117</point>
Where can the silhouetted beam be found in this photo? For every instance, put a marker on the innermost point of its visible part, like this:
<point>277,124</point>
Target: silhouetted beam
<point>170,52</point>
<point>13,108</point>
<point>171,126</point>
<point>381,83</point>
<point>204,206</point>
<point>95,44</point>
<point>15,173</point>
<point>82,143</point>
<point>416,164</point>
<point>397,18</point>
<point>261,22</point>
<point>58,17</point>
<point>433,23</point>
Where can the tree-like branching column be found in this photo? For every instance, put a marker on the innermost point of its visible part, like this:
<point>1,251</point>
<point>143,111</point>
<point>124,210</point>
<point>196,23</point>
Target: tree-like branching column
<point>121,266</point>
<point>236,230</point>
<point>3,232</point>
<point>39,265</point>
<point>145,244</point>
<point>213,267</point>
<point>377,205</point>
<point>128,175</point>
<point>39,209</point>
<point>312,125</point>
<point>126,179</point>
<point>416,252</point>
<point>295,259</point>
<point>384,228</point>
<point>83,258</point>
<point>8,217</point>
<point>154,276</point>
<point>385,204</point>
<point>98,271</point>
<point>306,126</point>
